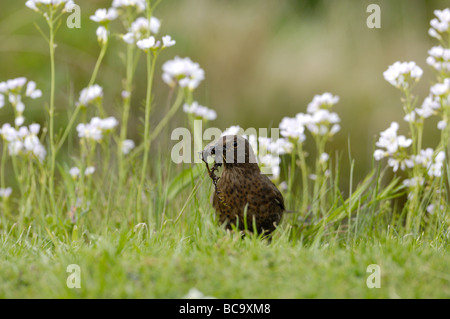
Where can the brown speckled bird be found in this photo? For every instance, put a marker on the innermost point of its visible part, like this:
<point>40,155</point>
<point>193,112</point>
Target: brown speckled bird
<point>242,189</point>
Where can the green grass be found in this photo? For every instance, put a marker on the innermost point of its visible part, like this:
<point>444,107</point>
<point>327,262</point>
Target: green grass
<point>145,264</point>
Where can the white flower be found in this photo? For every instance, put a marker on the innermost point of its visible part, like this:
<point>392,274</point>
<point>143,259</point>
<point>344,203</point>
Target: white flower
<point>293,128</point>
<point>139,4</point>
<point>326,100</point>
<point>194,293</point>
<point>5,192</point>
<point>410,117</point>
<point>31,91</point>
<point>19,120</point>
<point>148,43</point>
<point>442,125</point>
<point>155,24</point>
<point>39,5</point>
<point>439,58</point>
<point>433,164</point>
<point>89,131</point>
<point>74,172</point>
<point>104,15</point>
<point>14,85</point>
<point>200,111</point>
<point>440,24</point>
<point>2,101</point>
<point>128,38</point>
<point>379,154</point>
<point>432,208</point>
<point>167,41</point>
<point>413,182</point>
<point>141,28</point>
<point>7,132</point>
<point>324,157</point>
<point>433,33</point>
<point>429,106</point>
<point>435,169</point>
<point>127,146</point>
<point>23,141</point>
<point>320,123</point>
<point>102,34</point>
<point>32,5</point>
<point>390,141</point>
<point>233,130</point>
<point>271,162</point>
<point>425,157</point>
<point>96,128</point>
<point>397,163</point>
<point>184,71</point>
<point>280,146</point>
<point>441,89</point>
<point>89,170</point>
<point>400,74</point>
<point>69,6</point>
<point>125,94</point>
<point>90,94</point>
<point>108,123</point>
<point>34,128</point>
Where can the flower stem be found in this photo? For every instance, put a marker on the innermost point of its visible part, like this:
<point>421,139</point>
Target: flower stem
<point>126,110</point>
<point>51,183</point>
<point>147,141</point>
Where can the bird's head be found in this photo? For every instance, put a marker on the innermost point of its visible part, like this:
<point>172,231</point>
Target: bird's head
<point>232,151</point>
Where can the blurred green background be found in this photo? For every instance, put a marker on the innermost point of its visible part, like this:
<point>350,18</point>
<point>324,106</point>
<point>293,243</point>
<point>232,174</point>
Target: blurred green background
<point>264,59</point>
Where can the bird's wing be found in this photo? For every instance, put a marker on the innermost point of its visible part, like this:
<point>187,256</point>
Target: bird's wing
<point>274,193</point>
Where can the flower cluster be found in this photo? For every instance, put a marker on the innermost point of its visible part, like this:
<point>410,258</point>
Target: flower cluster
<point>266,149</point>
<point>127,146</point>
<point>151,43</point>
<point>293,128</point>
<point>319,120</point>
<point>403,74</point>
<point>42,6</point>
<point>14,90</point>
<point>141,28</point>
<point>200,111</point>
<point>121,4</point>
<point>184,72</point>
<point>90,95</point>
<point>431,162</point>
<point>393,147</point>
<point>23,141</point>
<point>440,24</point>
<point>96,128</point>
<point>280,146</point>
<point>441,90</point>
<point>439,58</point>
<point>75,171</point>
<point>422,162</point>
<point>104,17</point>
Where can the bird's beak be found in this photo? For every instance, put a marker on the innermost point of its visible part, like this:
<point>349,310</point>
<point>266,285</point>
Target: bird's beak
<point>214,149</point>
<point>210,150</point>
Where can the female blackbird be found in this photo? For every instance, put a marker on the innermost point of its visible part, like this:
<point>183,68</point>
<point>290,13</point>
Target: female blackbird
<point>242,190</point>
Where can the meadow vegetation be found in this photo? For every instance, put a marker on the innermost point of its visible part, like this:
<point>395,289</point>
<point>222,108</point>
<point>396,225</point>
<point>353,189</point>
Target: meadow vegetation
<point>91,192</point>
